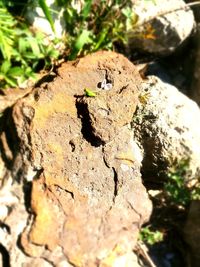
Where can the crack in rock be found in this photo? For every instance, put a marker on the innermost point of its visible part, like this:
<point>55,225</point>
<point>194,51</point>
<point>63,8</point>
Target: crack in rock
<point>87,129</point>
<point>5,256</point>
<point>116,182</point>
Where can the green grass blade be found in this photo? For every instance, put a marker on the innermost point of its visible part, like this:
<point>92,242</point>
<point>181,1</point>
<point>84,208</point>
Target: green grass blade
<point>86,9</point>
<point>82,39</point>
<point>47,13</point>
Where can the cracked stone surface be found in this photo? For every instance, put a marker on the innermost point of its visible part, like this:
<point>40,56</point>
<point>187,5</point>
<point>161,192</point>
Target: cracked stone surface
<point>78,156</point>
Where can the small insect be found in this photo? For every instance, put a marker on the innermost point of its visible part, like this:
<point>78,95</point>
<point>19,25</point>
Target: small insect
<point>89,93</point>
<point>105,85</point>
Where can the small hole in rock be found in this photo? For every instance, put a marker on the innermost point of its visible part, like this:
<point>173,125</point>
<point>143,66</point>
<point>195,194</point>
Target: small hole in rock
<point>72,145</point>
<point>99,85</point>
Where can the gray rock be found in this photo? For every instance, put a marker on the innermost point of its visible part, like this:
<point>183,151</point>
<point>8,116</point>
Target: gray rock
<point>163,34</point>
<point>166,125</point>
<point>11,198</point>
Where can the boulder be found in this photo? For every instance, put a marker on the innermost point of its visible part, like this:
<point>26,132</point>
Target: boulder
<point>166,126</point>
<point>162,28</point>
<point>77,167</point>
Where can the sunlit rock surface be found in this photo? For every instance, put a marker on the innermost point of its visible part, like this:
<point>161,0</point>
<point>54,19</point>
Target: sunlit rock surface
<point>165,28</point>
<point>77,167</point>
<point>167,127</point>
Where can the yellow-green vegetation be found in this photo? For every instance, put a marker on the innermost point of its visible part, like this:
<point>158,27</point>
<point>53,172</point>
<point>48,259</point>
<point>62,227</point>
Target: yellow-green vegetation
<point>178,192</point>
<point>144,97</point>
<point>89,26</point>
<point>150,237</point>
<point>179,189</point>
<point>21,50</point>
<point>93,25</point>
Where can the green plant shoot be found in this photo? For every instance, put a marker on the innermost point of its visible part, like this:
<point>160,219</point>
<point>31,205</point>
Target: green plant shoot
<point>47,12</point>
<point>89,93</point>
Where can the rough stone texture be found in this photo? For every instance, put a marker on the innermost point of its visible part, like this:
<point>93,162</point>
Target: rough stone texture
<point>192,234</point>
<point>166,125</point>
<point>9,96</point>
<point>163,34</point>
<point>77,153</point>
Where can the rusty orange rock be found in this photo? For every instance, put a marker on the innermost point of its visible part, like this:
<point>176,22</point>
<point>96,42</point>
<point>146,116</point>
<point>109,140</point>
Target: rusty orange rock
<point>87,195</point>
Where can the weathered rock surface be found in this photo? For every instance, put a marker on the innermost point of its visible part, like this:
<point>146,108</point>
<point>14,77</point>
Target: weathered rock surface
<point>164,33</point>
<point>9,96</point>
<point>167,127</point>
<point>78,155</point>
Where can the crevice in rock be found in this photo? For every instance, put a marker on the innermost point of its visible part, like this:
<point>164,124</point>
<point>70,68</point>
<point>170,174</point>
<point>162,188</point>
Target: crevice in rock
<point>105,161</point>
<point>49,77</point>
<point>5,256</point>
<point>70,262</point>
<point>9,141</point>
<point>87,129</point>
<point>123,88</point>
<point>5,227</point>
<point>58,188</point>
<point>37,174</point>
<point>11,148</point>
<point>115,184</point>
<point>47,260</point>
<point>27,187</point>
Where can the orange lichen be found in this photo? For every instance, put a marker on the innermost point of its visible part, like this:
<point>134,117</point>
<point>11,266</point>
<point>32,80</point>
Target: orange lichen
<point>57,151</point>
<point>149,32</point>
<point>45,212</point>
<point>61,103</point>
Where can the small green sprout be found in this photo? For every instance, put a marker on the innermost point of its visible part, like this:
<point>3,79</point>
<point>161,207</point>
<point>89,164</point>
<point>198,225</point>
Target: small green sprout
<point>89,93</point>
<point>149,236</point>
